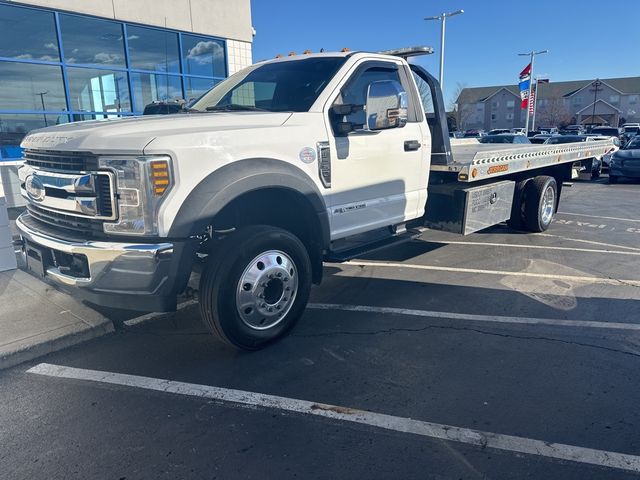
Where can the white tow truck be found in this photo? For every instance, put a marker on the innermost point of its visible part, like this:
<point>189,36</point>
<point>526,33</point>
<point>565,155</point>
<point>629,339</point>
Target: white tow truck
<point>286,164</point>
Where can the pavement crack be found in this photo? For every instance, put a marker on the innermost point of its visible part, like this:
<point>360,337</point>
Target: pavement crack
<point>394,330</point>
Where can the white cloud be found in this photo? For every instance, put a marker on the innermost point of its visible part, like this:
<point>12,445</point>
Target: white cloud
<point>104,57</point>
<point>133,37</point>
<point>51,46</point>
<point>24,56</point>
<point>202,48</point>
<point>75,51</point>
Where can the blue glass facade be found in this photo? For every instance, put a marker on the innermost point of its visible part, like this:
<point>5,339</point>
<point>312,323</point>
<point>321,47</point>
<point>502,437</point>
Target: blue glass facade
<point>58,67</point>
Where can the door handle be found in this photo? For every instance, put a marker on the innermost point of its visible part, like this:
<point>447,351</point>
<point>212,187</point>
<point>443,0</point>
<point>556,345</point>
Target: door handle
<point>411,145</point>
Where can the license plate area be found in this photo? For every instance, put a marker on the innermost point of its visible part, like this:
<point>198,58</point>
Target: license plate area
<point>38,259</point>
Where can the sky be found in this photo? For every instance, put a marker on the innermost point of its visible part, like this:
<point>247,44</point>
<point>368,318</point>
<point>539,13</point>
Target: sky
<point>586,39</point>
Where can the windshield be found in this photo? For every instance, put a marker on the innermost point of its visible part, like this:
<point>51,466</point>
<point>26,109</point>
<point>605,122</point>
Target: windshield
<point>633,144</point>
<point>284,86</point>
<point>606,131</point>
<point>496,139</point>
<point>565,139</point>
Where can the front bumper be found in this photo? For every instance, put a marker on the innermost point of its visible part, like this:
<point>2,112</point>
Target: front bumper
<point>137,276</point>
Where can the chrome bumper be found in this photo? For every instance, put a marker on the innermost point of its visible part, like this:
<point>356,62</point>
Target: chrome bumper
<point>114,268</point>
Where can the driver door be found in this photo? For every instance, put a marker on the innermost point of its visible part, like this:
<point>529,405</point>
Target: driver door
<point>378,177</point>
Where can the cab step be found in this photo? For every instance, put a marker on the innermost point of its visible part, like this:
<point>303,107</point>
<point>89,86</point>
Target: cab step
<point>362,248</point>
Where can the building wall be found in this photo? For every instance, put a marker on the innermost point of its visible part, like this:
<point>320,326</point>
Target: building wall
<point>492,112</point>
<point>220,18</point>
<point>84,60</point>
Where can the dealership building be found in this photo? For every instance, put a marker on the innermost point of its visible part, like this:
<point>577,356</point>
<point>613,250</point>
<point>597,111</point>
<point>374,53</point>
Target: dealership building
<point>69,60</point>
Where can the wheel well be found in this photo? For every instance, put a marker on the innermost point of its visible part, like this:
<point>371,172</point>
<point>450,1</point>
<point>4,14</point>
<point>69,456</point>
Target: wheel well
<point>279,207</point>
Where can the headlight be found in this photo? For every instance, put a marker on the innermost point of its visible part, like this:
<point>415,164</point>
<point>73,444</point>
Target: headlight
<point>141,185</point>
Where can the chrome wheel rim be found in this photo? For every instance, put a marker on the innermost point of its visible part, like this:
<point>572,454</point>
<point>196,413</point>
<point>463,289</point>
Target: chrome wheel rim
<point>548,204</point>
<point>267,289</point>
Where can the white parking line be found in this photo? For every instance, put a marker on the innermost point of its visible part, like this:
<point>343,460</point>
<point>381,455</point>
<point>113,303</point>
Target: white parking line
<point>534,247</point>
<point>635,220</point>
<point>475,318</point>
<point>504,273</point>
<point>561,237</point>
<point>467,436</point>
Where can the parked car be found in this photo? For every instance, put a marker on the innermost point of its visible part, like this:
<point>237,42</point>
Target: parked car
<point>626,161</point>
<point>533,133</point>
<point>594,163</point>
<point>519,131</point>
<point>505,138</point>
<point>572,130</point>
<point>607,132</point>
<point>167,107</point>
<point>629,130</point>
<point>540,138</point>
<point>473,133</point>
<point>498,131</point>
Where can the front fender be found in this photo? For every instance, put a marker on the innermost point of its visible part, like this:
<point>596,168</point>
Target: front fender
<point>224,185</point>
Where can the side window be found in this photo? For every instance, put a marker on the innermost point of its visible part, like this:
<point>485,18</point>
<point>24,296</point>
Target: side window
<point>355,92</point>
<point>425,94</point>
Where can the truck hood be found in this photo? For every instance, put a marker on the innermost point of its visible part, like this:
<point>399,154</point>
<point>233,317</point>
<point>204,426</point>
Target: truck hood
<point>131,135</point>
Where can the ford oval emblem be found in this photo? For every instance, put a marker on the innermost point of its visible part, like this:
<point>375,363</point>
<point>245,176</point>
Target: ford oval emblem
<point>35,189</point>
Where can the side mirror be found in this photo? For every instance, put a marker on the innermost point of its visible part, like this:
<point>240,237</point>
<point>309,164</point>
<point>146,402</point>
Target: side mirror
<point>386,105</point>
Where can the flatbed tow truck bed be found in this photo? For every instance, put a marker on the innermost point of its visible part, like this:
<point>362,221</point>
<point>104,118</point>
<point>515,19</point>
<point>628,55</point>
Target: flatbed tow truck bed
<point>476,162</point>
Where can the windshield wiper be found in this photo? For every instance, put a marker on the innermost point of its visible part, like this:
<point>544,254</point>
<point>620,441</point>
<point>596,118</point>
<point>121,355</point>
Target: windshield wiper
<point>234,107</point>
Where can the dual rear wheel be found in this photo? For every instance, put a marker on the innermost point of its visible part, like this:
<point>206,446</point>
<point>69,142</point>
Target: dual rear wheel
<point>535,202</point>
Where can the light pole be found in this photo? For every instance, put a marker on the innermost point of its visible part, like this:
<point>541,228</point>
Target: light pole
<point>443,20</point>
<point>596,85</point>
<point>532,54</point>
<point>42,94</point>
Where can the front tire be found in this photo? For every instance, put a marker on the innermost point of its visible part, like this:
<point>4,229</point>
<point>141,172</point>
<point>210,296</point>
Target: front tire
<point>541,202</point>
<point>256,287</point>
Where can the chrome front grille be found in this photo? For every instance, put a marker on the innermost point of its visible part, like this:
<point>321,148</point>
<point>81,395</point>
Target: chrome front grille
<point>63,161</point>
<point>67,191</point>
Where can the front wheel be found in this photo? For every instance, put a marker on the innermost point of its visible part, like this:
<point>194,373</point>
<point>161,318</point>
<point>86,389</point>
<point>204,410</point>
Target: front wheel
<point>255,287</point>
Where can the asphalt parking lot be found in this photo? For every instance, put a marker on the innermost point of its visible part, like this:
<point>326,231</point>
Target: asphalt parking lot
<point>499,355</point>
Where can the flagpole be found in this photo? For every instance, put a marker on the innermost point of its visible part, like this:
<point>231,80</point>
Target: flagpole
<point>532,54</point>
<point>526,126</point>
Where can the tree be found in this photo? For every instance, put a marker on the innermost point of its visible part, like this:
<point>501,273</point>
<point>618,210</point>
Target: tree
<point>461,111</point>
<point>554,112</point>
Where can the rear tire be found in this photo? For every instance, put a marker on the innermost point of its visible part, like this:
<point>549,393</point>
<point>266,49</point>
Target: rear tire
<point>516,222</point>
<point>540,204</point>
<point>254,290</point>
<point>595,174</point>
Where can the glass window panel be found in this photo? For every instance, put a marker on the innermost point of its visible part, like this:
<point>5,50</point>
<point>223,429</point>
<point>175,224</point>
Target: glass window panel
<point>25,86</point>
<point>195,87</point>
<point>94,90</point>
<point>150,87</point>
<point>28,34</point>
<point>14,127</point>
<point>203,56</point>
<point>151,49</point>
<point>92,41</point>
